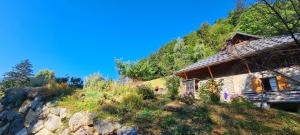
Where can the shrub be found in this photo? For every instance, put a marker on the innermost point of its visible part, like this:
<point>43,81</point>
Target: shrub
<point>210,90</point>
<point>241,102</point>
<point>146,92</point>
<point>44,77</point>
<point>183,129</point>
<point>188,98</point>
<point>109,108</point>
<point>168,122</point>
<point>144,116</point>
<point>172,84</point>
<point>130,102</point>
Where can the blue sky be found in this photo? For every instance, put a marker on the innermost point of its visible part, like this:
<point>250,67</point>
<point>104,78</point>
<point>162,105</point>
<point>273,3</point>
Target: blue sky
<point>80,37</point>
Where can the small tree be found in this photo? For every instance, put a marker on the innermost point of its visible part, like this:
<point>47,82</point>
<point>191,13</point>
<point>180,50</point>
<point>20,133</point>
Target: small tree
<point>19,76</point>
<point>46,76</point>
<point>172,84</point>
<point>76,82</point>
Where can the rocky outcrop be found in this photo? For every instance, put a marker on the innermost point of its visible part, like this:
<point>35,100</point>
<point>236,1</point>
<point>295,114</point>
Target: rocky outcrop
<point>81,119</point>
<point>26,113</point>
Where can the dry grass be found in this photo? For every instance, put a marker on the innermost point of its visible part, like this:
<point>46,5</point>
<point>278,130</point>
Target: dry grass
<point>150,116</point>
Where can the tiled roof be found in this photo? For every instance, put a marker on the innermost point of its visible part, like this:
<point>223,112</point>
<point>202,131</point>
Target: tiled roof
<point>241,50</point>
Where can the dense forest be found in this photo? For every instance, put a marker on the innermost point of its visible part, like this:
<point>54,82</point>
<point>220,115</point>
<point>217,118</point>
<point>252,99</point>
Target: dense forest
<point>256,19</point>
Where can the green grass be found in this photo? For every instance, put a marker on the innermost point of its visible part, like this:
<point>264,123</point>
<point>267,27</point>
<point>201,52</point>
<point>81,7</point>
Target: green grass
<point>160,82</point>
<point>125,106</point>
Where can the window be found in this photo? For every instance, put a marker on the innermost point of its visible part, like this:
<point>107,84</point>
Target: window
<point>270,84</point>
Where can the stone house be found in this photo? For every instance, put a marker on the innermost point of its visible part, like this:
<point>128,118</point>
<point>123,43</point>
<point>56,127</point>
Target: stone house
<point>261,69</point>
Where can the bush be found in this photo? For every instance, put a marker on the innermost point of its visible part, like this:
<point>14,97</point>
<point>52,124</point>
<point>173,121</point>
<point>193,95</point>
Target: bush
<point>210,91</point>
<point>241,102</point>
<point>172,84</point>
<point>188,98</point>
<point>44,77</point>
<point>146,92</point>
<point>109,108</point>
<point>130,102</point>
<point>183,129</point>
<point>144,116</point>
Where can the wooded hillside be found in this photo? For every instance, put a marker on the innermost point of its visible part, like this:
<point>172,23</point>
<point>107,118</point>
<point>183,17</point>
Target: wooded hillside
<point>209,38</point>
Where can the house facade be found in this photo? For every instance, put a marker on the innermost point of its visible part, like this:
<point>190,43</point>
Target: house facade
<point>261,69</point>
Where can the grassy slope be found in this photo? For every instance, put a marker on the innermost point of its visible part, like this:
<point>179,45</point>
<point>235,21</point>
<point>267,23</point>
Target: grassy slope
<point>150,117</point>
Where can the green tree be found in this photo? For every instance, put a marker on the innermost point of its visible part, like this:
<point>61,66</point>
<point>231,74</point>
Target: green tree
<point>46,76</point>
<point>19,76</point>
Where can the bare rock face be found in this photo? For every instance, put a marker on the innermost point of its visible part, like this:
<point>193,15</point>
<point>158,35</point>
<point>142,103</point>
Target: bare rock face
<point>105,127</point>
<point>53,122</point>
<point>81,119</point>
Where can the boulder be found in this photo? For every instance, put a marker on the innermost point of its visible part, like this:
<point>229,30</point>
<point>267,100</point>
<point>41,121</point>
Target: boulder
<point>22,132</point>
<point>14,97</point>
<point>127,131</point>
<point>16,125</point>
<point>44,132</point>
<point>36,127</point>
<point>8,115</point>
<point>105,127</point>
<point>4,128</point>
<point>37,103</point>
<point>53,122</point>
<point>31,118</point>
<point>81,119</point>
<point>86,130</point>
<point>24,107</point>
<point>61,112</point>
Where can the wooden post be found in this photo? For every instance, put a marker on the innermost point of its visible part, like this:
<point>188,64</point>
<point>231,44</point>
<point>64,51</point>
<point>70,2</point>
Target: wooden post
<point>185,75</point>
<point>211,75</point>
<point>247,66</point>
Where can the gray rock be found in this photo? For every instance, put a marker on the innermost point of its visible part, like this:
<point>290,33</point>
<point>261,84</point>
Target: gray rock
<point>31,118</point>
<point>106,127</point>
<point>4,128</point>
<point>36,127</point>
<point>14,97</point>
<point>16,125</point>
<point>53,122</point>
<point>63,113</point>
<point>8,115</point>
<point>22,132</point>
<point>55,111</point>
<point>85,131</point>
<point>44,132</point>
<point>127,131</point>
<point>36,103</point>
<point>24,107</point>
<point>81,119</point>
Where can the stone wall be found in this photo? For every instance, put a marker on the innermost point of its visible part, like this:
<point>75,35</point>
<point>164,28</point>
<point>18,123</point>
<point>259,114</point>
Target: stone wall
<point>25,113</point>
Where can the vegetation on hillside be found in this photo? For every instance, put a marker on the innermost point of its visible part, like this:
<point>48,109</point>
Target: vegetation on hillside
<point>257,19</point>
<point>158,114</point>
